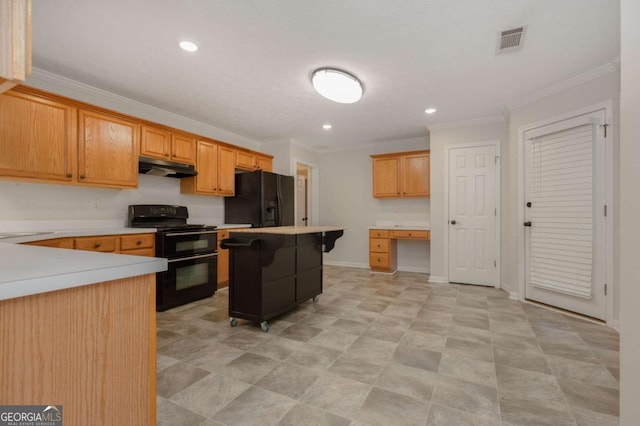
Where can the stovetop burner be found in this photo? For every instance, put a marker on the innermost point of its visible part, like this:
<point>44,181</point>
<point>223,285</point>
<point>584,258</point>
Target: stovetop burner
<point>163,217</point>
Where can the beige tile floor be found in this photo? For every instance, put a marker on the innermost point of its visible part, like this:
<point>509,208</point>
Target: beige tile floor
<point>380,350</point>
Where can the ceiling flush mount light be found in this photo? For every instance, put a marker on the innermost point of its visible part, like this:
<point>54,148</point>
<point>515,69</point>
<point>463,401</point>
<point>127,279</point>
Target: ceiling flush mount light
<point>189,46</point>
<point>430,110</point>
<point>337,85</point>
<point>327,126</point>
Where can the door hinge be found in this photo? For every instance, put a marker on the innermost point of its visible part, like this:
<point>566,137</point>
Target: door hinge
<point>495,159</point>
<point>605,210</point>
<point>604,126</point>
<point>495,211</point>
<point>495,263</point>
<point>605,289</point>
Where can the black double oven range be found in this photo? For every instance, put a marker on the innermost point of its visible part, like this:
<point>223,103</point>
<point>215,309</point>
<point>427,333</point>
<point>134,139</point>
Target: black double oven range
<point>190,250</point>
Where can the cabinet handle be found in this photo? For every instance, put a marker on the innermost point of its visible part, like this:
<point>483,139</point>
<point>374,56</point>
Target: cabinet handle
<point>409,233</point>
<point>69,175</point>
<point>97,245</point>
<point>166,154</point>
<point>378,259</point>
<point>378,245</point>
<point>138,242</point>
<point>82,176</point>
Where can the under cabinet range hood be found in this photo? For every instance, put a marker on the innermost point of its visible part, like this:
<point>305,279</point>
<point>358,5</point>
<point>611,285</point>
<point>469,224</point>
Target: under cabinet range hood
<point>156,167</point>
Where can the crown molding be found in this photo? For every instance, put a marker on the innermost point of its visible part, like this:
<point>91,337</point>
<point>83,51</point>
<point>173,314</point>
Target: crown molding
<point>64,86</point>
<point>569,83</point>
<point>491,119</point>
<point>392,144</point>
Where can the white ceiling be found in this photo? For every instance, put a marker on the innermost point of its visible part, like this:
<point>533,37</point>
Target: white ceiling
<point>251,75</point>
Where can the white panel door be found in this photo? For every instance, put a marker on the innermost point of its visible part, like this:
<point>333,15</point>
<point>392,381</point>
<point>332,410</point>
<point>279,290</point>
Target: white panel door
<point>301,201</point>
<point>564,215</point>
<point>472,215</point>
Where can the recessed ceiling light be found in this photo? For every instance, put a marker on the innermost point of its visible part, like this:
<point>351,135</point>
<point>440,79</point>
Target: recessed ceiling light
<point>189,46</point>
<point>430,110</point>
<point>327,126</point>
<point>337,85</point>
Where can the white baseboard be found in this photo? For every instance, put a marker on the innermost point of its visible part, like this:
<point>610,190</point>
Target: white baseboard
<point>414,269</point>
<point>346,264</point>
<point>436,280</point>
<point>513,295</point>
<point>615,324</point>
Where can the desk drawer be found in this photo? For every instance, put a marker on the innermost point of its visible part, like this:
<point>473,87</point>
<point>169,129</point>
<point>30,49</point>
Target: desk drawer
<point>137,241</point>
<point>379,233</point>
<point>104,244</point>
<point>408,234</point>
<point>379,245</point>
<point>379,260</point>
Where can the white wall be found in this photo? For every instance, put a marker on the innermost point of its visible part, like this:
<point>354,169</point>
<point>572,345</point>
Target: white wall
<point>33,206</point>
<point>593,92</point>
<point>346,198</point>
<point>629,241</point>
<point>439,139</point>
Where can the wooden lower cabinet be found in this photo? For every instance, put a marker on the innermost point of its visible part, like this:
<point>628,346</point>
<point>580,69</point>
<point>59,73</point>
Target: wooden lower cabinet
<point>91,349</point>
<point>223,260</point>
<point>383,247</point>
<point>131,244</point>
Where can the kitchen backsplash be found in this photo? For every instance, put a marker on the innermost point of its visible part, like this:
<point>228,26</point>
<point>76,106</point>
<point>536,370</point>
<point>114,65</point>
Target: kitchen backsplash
<point>34,206</point>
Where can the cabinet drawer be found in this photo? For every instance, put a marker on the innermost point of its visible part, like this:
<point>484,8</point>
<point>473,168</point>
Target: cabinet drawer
<point>379,233</point>
<point>150,252</point>
<point>379,245</point>
<point>379,260</point>
<point>138,241</point>
<point>105,244</point>
<point>422,235</point>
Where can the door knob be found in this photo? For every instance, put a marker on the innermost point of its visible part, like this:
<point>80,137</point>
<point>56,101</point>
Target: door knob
<point>453,222</point>
<point>528,223</point>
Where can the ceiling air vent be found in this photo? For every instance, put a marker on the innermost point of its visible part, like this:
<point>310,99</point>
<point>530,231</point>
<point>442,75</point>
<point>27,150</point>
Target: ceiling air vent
<point>510,40</point>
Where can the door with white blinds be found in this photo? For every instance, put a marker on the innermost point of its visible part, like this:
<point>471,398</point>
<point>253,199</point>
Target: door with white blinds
<point>564,215</point>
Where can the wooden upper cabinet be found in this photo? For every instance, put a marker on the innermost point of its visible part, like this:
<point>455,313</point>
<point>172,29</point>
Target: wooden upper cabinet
<point>15,42</point>
<point>386,177</point>
<point>401,174</point>
<point>245,160</point>
<point>160,143</point>
<point>155,142</point>
<point>107,150</point>
<point>264,163</point>
<point>183,148</point>
<point>37,138</point>
<point>415,175</point>
<point>226,170</point>
<point>215,165</point>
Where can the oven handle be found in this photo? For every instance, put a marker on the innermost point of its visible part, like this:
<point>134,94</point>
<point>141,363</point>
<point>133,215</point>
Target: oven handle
<point>177,234</point>
<point>202,256</point>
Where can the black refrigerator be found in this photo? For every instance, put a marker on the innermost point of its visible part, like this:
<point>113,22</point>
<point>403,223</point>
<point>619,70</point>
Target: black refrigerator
<point>262,199</point>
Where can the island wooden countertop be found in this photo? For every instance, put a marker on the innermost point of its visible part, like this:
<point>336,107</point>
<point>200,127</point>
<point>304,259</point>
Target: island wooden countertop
<point>290,230</point>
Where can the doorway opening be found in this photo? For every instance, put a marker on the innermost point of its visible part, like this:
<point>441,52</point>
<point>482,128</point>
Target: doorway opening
<point>303,212</point>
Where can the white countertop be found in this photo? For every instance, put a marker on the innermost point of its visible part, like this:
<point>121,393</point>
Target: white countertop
<point>28,270</point>
<point>293,230</point>
<point>401,227</point>
<point>233,225</point>
<point>64,233</point>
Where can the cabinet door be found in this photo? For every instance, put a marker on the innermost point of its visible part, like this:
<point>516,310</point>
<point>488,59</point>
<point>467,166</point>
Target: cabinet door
<point>206,181</point>
<point>226,170</point>
<point>183,149</point>
<point>245,160</point>
<point>37,138</point>
<point>264,163</point>
<point>155,142</point>
<point>107,150</point>
<point>415,175</point>
<point>386,175</point>
<point>223,261</point>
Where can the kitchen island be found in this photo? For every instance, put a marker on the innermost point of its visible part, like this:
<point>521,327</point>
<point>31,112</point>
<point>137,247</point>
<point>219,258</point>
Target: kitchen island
<point>272,270</point>
<point>77,329</point>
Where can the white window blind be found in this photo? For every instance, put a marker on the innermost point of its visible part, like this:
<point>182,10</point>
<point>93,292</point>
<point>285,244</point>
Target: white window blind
<point>560,189</point>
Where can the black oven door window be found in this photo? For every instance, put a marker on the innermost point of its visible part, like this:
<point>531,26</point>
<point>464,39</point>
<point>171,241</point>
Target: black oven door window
<point>187,280</point>
<point>180,244</point>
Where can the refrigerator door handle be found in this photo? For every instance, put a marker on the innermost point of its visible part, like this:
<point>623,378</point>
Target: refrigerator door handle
<point>278,203</point>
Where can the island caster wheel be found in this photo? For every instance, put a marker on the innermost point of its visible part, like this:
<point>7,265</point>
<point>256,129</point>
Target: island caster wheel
<point>233,321</point>
<point>264,326</point>
<point>315,299</point>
